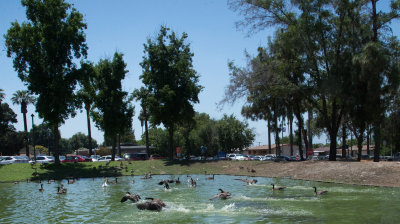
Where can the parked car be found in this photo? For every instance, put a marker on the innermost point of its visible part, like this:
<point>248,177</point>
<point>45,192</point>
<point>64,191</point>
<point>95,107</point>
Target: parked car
<point>76,158</point>
<point>109,157</point>
<point>44,159</point>
<point>156,156</point>
<point>136,156</point>
<point>235,157</point>
<point>95,158</point>
<point>14,159</point>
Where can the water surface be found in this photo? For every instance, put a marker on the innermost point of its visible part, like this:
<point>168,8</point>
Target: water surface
<point>88,202</point>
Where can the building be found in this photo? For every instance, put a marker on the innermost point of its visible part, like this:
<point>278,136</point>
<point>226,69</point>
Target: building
<point>132,148</point>
<point>263,150</point>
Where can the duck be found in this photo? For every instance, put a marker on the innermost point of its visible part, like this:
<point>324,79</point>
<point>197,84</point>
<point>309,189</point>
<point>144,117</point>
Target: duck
<point>319,192</point>
<point>129,196</point>
<point>277,188</point>
<point>41,188</point>
<point>154,205</point>
<point>222,195</point>
<point>249,182</point>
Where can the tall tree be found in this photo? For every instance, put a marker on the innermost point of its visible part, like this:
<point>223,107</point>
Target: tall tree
<point>172,82</point>
<point>113,111</point>
<point>23,98</point>
<point>142,95</point>
<point>86,95</point>
<point>43,49</point>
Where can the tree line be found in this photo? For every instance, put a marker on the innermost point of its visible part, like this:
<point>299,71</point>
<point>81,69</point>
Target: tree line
<point>335,60</point>
<point>44,50</point>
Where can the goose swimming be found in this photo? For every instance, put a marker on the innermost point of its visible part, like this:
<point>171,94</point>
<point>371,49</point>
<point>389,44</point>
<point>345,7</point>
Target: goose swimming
<point>277,188</point>
<point>252,181</point>
<point>153,205</point>
<point>177,181</point>
<point>319,192</point>
<point>222,195</point>
<point>192,182</point>
<point>41,188</point>
<point>129,196</point>
<point>165,183</point>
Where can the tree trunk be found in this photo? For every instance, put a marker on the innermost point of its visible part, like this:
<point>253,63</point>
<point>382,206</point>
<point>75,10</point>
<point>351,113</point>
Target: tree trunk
<point>377,138</point>
<point>89,129</point>
<point>114,139</point>
<point>171,143</point>
<point>359,145</point>
<point>343,140</point>
<point>56,148</point>
<point>310,117</point>
<point>146,129</point>
<point>300,146</point>
<point>26,136</point>
<point>368,138</point>
<point>291,135</point>
<point>332,146</point>
<point>269,137</point>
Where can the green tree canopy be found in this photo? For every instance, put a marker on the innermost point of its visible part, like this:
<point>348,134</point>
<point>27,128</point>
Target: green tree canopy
<point>43,49</point>
<point>172,82</point>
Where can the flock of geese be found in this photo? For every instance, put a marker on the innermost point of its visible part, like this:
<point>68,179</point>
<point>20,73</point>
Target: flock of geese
<point>155,204</point>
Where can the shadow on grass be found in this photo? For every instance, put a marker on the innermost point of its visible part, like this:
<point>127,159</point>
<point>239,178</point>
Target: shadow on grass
<point>187,162</point>
<point>78,170</point>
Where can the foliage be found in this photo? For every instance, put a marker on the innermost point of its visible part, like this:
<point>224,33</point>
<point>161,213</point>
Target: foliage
<point>172,82</point>
<point>113,111</point>
<point>7,119</point>
<point>43,49</point>
<point>80,140</point>
<point>12,142</point>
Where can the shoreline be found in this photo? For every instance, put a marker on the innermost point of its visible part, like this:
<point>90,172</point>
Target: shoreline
<point>364,173</point>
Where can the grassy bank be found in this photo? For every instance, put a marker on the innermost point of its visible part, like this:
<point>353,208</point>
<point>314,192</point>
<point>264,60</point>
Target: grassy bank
<point>22,172</point>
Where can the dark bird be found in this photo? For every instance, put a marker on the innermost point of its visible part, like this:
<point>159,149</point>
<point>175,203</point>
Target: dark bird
<point>251,170</point>
<point>277,188</point>
<point>41,188</point>
<point>192,182</point>
<point>165,183</point>
<point>177,181</point>
<point>113,182</point>
<point>70,181</point>
<point>211,178</point>
<point>147,176</point>
<point>60,191</point>
<point>252,181</point>
<point>241,167</point>
<point>222,195</point>
<point>319,192</point>
<point>64,190</point>
<point>129,196</point>
<point>153,205</point>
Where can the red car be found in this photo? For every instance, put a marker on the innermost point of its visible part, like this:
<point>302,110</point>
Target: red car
<point>155,156</point>
<point>77,158</point>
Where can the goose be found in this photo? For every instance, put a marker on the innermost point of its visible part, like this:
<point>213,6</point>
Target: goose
<point>177,181</point>
<point>249,182</point>
<point>113,182</point>
<point>64,190</point>
<point>105,183</point>
<point>165,183</point>
<point>129,196</point>
<point>277,188</point>
<point>192,182</point>
<point>41,188</point>
<point>211,178</point>
<point>70,181</point>
<point>319,192</point>
<point>154,204</point>
<point>60,191</point>
<point>147,176</point>
<point>222,195</point>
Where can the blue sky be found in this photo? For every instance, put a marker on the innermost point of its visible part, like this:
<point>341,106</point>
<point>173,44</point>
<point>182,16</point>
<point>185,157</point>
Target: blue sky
<point>125,25</point>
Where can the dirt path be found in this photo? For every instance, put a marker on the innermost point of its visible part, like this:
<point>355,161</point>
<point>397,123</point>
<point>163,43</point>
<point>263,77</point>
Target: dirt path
<point>360,173</point>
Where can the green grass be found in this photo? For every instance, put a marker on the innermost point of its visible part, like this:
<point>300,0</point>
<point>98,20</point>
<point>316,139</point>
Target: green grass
<point>22,172</point>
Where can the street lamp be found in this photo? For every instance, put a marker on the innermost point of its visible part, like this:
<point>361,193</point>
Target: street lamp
<point>33,138</point>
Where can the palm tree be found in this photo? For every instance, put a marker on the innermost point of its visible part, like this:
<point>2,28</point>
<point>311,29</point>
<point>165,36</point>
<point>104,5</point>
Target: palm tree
<point>23,98</point>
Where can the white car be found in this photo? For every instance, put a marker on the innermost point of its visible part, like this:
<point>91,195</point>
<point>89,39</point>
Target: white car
<point>108,158</point>
<point>44,159</point>
<point>235,157</point>
<point>14,159</point>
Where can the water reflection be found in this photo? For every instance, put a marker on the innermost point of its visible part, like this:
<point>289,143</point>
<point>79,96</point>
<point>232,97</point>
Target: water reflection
<point>88,202</point>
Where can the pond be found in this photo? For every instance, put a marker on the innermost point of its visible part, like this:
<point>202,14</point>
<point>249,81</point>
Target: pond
<point>87,201</point>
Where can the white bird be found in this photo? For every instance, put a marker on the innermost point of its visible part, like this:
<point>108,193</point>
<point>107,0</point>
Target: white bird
<point>105,183</point>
